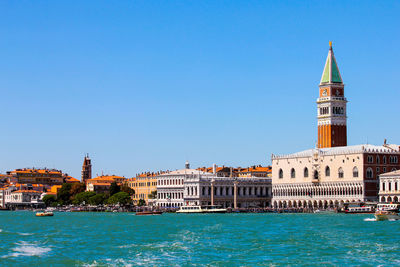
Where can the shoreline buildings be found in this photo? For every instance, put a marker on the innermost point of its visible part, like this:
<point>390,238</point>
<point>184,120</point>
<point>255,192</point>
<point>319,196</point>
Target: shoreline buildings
<point>332,173</point>
<point>196,187</point>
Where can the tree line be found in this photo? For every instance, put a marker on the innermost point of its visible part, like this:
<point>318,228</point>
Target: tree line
<point>75,194</point>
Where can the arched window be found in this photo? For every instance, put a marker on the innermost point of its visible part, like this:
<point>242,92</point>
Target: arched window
<point>370,159</point>
<point>280,174</point>
<point>355,172</point>
<point>378,160</point>
<point>370,173</point>
<point>340,173</point>
<point>305,172</point>
<point>292,173</point>
<point>327,171</point>
<point>316,174</point>
<point>384,160</point>
<point>393,169</point>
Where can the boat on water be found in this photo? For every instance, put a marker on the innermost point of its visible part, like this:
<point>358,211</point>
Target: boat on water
<point>385,215</point>
<point>386,211</point>
<point>44,213</point>
<point>149,212</point>
<point>201,209</point>
<point>324,211</point>
<point>360,210</point>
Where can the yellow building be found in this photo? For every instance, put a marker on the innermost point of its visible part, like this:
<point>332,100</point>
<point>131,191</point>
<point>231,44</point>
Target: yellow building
<point>143,185</point>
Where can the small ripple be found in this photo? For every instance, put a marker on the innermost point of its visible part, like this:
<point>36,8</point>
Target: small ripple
<point>25,234</point>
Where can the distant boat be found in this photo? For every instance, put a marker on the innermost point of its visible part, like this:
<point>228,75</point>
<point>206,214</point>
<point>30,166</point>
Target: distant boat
<point>44,213</point>
<point>324,211</point>
<point>148,212</point>
<point>364,209</point>
<point>201,209</point>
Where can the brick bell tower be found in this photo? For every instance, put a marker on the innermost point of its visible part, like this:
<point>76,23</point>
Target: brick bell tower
<point>332,119</point>
<point>86,169</point>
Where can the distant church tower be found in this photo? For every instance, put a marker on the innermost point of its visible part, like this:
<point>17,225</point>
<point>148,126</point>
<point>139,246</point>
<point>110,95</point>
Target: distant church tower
<point>332,120</point>
<point>86,169</point>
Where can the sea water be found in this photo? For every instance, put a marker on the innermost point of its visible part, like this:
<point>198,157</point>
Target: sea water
<point>123,239</point>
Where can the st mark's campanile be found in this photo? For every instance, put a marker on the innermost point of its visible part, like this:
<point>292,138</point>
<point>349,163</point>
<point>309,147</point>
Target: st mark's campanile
<point>332,119</point>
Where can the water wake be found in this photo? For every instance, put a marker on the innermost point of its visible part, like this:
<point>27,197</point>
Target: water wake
<point>369,220</point>
<point>28,249</point>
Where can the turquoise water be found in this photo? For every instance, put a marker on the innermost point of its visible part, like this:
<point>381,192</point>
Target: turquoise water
<point>123,239</point>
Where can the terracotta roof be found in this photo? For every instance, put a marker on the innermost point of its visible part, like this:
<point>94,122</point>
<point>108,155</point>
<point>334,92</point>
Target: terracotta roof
<point>257,169</point>
<point>37,171</point>
<point>25,191</point>
<point>107,177</point>
<point>71,179</point>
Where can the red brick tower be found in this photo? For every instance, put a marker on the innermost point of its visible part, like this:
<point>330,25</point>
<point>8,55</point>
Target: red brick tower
<point>332,119</point>
<point>86,169</point>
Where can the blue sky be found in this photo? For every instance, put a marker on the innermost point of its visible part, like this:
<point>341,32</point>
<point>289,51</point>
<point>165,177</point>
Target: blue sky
<point>146,85</point>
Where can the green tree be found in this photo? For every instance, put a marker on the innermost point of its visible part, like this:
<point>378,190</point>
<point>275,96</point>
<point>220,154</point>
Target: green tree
<point>49,199</point>
<point>97,199</point>
<point>120,197</point>
<point>64,194</point>
<point>141,202</point>
<point>114,188</point>
<point>83,197</point>
<point>77,188</point>
<point>127,189</point>
<point>153,194</point>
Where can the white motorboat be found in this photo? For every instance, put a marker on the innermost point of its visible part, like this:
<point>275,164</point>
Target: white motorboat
<point>385,211</point>
<point>201,209</point>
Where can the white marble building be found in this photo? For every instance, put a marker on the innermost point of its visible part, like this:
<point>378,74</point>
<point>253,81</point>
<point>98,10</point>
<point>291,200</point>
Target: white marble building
<point>193,187</point>
<point>389,187</point>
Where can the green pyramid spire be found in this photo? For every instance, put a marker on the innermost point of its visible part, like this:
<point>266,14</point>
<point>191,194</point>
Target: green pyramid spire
<point>331,72</point>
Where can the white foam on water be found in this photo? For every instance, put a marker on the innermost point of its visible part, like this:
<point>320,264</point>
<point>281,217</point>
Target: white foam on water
<point>392,220</point>
<point>28,250</point>
<point>369,220</point>
<point>24,233</point>
<point>1,230</point>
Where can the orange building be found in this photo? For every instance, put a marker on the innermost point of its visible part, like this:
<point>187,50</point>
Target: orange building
<point>101,184</point>
<point>256,171</point>
<point>37,176</point>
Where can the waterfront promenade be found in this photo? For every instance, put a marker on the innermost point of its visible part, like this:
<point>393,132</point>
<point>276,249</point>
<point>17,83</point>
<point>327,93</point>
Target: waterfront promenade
<point>123,239</point>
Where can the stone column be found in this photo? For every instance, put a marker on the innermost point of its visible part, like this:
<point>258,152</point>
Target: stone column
<point>235,194</point>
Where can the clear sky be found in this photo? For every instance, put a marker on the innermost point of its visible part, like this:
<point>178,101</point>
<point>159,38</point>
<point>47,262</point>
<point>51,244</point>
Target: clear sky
<point>147,85</point>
